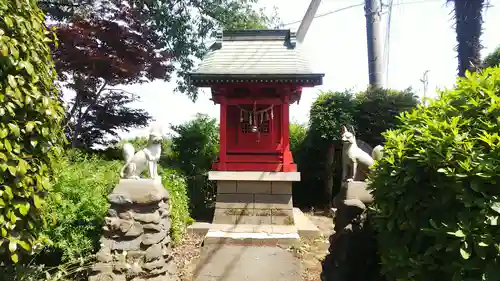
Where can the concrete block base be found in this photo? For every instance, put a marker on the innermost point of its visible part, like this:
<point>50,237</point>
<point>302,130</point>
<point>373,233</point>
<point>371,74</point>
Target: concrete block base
<point>305,227</point>
<point>255,208</point>
<point>247,198</point>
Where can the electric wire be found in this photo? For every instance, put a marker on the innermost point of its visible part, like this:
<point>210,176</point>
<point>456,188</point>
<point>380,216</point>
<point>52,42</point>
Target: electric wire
<point>362,4</point>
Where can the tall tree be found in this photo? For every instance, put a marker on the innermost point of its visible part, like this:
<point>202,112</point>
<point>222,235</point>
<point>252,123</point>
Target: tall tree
<point>492,59</point>
<point>469,21</point>
<point>108,43</point>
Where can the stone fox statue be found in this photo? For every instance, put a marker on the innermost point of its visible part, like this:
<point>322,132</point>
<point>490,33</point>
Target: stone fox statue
<point>353,156</point>
<point>136,163</point>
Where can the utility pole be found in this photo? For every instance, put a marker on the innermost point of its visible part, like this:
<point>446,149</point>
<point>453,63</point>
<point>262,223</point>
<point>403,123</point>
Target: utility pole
<point>425,82</point>
<point>373,40</point>
<point>307,20</point>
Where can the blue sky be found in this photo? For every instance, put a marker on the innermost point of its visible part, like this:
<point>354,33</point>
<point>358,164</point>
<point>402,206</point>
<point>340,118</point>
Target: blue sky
<point>422,38</point>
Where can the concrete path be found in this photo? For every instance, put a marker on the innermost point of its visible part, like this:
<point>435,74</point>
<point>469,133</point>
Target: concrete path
<point>246,263</point>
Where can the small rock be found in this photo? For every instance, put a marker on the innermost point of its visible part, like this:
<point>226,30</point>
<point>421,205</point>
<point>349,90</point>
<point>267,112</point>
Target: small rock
<point>106,277</point>
<point>125,225</point>
<point>102,267</point>
<point>135,230</point>
<point>104,255</point>
<point>106,243</point>
<point>122,266</point>
<point>155,227</point>
<point>167,240</point>
<point>125,245</point>
<point>119,199</point>
<point>128,215</point>
<point>165,224</point>
<point>157,278</point>
<point>170,268</point>
<point>154,252</point>
<point>136,269</point>
<point>163,205</point>
<point>112,223</point>
<point>154,264</point>
<point>135,254</point>
<point>163,213</point>
<point>112,213</point>
<point>154,238</point>
<point>148,218</point>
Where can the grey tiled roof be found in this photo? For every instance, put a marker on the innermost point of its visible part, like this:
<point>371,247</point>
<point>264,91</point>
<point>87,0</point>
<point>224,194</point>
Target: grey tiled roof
<point>256,54</point>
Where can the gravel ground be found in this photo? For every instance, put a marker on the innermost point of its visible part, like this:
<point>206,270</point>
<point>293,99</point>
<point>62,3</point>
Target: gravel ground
<point>186,254</point>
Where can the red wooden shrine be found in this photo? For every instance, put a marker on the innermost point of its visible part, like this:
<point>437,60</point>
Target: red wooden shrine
<point>254,101</point>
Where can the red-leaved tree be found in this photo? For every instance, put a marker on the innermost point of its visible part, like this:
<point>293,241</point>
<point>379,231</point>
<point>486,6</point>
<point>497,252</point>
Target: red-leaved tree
<point>105,44</point>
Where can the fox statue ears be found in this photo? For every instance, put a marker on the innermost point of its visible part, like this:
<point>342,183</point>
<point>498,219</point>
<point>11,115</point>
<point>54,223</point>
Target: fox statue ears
<point>344,130</point>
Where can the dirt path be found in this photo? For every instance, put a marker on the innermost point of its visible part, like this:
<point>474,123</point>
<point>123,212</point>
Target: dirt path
<point>310,253</point>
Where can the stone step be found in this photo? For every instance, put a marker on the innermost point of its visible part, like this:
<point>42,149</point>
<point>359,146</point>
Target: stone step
<point>306,228</point>
<point>251,238</point>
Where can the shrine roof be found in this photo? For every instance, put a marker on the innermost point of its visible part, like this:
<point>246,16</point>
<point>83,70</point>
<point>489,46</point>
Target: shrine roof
<point>255,56</point>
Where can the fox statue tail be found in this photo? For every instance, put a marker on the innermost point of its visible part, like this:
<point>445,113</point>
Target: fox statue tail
<point>128,152</point>
<point>378,152</point>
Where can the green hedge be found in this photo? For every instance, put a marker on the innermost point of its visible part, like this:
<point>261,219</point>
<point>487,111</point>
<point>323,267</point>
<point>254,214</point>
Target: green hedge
<point>30,124</point>
<point>194,148</point>
<point>436,189</point>
<point>176,185</point>
<point>371,112</point>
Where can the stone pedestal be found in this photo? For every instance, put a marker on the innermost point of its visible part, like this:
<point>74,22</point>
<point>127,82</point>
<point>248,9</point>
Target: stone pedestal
<point>253,207</point>
<point>245,198</point>
<point>354,240</point>
<point>136,242</point>
<point>353,190</point>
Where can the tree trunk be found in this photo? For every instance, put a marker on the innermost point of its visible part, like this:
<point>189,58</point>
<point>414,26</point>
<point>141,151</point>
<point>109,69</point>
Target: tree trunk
<point>330,156</point>
<point>469,21</point>
<point>81,115</point>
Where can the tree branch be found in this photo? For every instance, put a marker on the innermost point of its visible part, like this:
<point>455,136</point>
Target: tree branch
<point>119,90</point>
<point>81,116</point>
<point>63,4</point>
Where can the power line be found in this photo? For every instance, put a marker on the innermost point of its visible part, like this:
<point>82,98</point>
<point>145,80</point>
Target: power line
<point>329,13</point>
<point>362,4</point>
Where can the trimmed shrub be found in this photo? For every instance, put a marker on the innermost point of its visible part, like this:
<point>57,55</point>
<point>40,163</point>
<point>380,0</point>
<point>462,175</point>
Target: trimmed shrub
<point>195,147</point>
<point>436,189</point>
<point>30,124</point>
<point>370,113</point>
<point>176,185</point>
<point>327,114</point>
<point>377,109</point>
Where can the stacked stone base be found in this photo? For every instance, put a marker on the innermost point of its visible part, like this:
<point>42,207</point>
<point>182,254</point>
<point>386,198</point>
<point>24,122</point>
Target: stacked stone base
<point>353,246</point>
<point>254,203</point>
<point>136,241</point>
